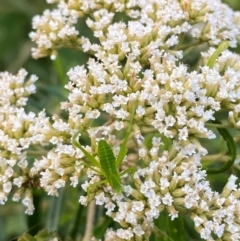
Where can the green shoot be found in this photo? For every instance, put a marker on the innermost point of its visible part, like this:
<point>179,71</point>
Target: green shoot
<point>108,164</point>
<point>223,46</point>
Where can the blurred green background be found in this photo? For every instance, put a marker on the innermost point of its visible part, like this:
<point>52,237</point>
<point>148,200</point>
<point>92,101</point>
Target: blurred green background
<point>15,45</point>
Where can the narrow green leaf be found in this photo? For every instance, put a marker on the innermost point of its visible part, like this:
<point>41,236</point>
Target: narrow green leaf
<point>223,46</point>
<point>93,161</point>
<point>123,150</point>
<point>122,153</point>
<point>232,150</point>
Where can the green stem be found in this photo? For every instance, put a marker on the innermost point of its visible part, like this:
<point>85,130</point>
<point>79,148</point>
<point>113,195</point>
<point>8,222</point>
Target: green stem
<point>36,153</point>
<point>146,130</point>
<point>189,45</point>
<point>215,157</point>
<point>224,126</point>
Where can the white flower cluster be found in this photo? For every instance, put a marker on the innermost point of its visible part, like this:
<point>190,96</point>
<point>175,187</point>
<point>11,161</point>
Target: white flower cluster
<point>54,29</point>
<point>136,60</point>
<point>18,130</point>
<point>175,182</point>
<point>167,183</point>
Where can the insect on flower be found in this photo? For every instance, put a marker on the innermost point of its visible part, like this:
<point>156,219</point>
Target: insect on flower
<point>108,164</point>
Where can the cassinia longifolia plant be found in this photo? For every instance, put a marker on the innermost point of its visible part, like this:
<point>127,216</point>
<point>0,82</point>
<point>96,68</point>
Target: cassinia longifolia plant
<point>139,98</point>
